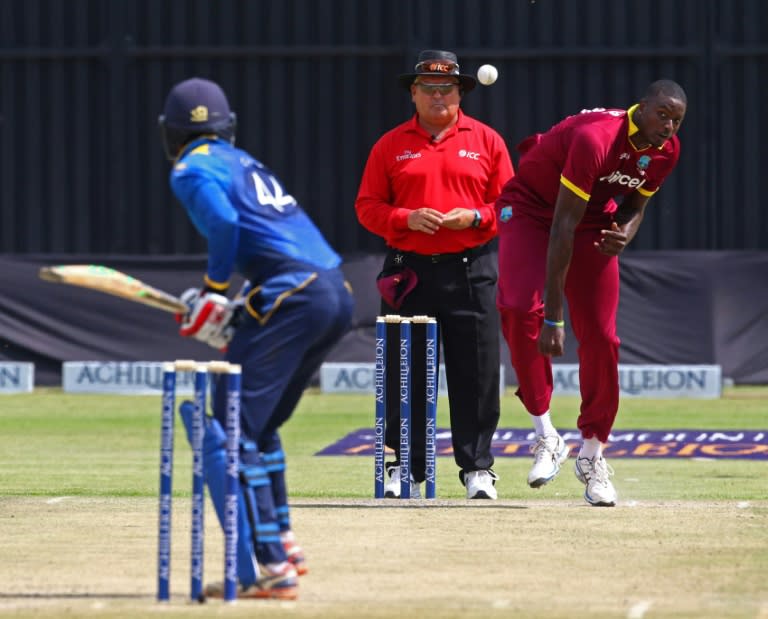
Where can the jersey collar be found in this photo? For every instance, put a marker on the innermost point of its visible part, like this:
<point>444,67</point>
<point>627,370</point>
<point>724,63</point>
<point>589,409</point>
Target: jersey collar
<point>633,129</point>
<point>193,144</point>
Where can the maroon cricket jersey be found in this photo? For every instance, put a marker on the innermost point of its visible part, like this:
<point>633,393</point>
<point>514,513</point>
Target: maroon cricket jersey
<point>591,154</point>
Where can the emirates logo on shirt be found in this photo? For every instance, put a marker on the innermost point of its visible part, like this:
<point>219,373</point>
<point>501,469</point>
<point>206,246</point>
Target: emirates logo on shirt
<point>407,155</point>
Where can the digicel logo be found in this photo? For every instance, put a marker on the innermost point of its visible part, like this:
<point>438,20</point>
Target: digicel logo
<point>623,179</point>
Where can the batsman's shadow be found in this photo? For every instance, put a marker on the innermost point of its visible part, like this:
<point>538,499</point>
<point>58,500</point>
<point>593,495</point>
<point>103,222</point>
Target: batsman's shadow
<point>68,595</point>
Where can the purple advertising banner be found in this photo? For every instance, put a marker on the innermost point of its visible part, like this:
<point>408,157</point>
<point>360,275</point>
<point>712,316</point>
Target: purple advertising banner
<point>515,442</point>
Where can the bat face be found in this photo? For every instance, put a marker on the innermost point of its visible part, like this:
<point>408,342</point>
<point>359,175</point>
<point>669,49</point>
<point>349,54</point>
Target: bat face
<point>69,273</point>
<point>110,281</point>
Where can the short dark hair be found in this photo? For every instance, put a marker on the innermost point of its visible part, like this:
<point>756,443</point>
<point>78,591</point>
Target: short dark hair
<point>668,88</point>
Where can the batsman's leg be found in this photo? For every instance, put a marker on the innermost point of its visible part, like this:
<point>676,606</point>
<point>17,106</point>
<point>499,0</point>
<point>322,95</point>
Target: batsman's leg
<point>215,478</point>
<point>274,460</point>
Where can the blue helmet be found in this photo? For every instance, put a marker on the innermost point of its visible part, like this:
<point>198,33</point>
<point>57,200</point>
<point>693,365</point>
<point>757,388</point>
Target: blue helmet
<point>195,107</point>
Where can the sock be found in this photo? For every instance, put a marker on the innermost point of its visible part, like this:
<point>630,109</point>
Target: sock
<point>543,424</point>
<point>276,568</point>
<point>287,536</point>
<point>591,448</point>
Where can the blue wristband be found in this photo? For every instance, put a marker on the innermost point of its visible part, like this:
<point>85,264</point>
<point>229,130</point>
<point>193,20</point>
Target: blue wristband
<point>554,323</point>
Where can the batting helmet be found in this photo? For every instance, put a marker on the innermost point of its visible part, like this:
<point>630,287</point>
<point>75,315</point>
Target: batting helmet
<point>195,107</point>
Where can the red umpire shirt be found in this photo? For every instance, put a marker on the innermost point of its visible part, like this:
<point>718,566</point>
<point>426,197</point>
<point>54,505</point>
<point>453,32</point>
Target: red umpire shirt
<point>407,170</point>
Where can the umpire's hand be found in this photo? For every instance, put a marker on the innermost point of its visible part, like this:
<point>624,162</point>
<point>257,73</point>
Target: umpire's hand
<point>426,220</point>
<point>459,218</point>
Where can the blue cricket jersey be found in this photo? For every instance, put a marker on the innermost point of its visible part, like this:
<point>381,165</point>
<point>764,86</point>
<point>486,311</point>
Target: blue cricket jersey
<point>253,226</point>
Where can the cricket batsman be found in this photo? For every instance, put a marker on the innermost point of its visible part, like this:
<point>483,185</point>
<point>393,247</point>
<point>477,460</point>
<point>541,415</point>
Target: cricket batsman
<point>297,308</point>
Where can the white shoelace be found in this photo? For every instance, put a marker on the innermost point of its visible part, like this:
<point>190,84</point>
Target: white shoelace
<point>541,448</point>
<point>598,471</point>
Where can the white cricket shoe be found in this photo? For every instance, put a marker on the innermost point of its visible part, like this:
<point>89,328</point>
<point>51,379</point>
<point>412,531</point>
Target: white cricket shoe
<point>277,581</point>
<point>480,484</point>
<point>549,452</point>
<point>392,486</point>
<point>595,475</point>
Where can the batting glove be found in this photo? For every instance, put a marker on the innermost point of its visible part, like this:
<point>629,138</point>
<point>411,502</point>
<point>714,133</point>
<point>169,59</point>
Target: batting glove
<point>209,318</point>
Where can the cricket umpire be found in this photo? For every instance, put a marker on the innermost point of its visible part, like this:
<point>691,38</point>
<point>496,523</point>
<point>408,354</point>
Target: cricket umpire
<point>428,190</point>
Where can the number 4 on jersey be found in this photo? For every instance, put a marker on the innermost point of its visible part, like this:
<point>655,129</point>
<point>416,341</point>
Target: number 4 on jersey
<point>271,196</point>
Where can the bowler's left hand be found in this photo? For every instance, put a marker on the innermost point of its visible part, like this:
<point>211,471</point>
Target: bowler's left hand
<point>612,242</point>
<point>551,341</point>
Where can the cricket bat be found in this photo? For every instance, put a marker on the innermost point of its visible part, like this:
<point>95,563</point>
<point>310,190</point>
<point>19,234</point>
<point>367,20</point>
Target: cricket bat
<point>113,282</point>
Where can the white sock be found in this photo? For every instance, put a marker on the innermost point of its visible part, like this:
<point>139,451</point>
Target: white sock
<point>543,424</point>
<point>591,448</point>
<point>287,536</point>
<point>276,568</point>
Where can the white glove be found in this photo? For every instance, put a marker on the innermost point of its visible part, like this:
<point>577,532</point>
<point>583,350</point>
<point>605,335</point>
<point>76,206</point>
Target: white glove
<point>209,318</point>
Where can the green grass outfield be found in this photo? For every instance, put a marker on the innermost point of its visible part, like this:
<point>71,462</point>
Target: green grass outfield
<point>53,443</point>
<point>689,538</point>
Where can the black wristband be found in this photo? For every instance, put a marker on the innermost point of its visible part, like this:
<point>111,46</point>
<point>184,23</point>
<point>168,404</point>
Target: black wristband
<point>478,219</point>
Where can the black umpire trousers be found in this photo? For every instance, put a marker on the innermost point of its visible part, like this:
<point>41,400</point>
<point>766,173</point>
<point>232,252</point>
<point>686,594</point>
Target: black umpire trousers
<point>459,290</point>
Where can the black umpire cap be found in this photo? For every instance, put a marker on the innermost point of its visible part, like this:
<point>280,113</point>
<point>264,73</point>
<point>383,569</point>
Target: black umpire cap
<point>438,63</point>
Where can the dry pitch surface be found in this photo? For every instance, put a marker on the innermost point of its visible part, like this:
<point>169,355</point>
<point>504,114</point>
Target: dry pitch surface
<point>85,557</point>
